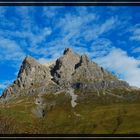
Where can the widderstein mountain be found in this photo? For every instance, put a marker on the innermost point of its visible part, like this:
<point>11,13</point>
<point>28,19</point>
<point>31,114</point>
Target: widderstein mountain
<point>72,95</point>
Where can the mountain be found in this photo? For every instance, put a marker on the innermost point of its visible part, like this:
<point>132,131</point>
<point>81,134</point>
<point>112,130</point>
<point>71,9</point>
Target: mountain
<point>63,96</point>
<point>70,70</point>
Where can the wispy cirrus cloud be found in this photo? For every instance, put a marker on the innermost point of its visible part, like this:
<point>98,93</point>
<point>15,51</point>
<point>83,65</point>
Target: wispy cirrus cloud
<point>98,29</point>
<point>72,27</point>
<point>136,50</point>
<point>26,15</point>
<point>75,27</point>
<point>10,50</point>
<point>135,31</point>
<point>51,11</point>
<point>44,32</point>
<point>101,47</point>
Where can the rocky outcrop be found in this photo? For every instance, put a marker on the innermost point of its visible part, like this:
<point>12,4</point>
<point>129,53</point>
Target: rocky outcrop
<point>65,67</point>
<point>101,85</point>
<point>88,71</point>
<point>32,72</point>
<point>32,77</point>
<point>70,70</point>
<point>40,108</point>
<point>79,71</point>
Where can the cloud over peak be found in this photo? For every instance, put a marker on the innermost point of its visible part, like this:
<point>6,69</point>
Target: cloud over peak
<point>119,62</point>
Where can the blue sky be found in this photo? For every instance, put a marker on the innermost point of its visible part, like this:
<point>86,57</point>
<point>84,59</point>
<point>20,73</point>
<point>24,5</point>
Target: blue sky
<point>109,35</point>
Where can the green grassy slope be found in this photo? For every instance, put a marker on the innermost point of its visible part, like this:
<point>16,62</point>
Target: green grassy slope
<point>90,116</point>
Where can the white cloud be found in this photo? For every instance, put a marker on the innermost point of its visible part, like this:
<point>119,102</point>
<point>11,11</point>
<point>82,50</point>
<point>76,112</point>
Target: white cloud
<point>135,31</point>
<point>33,39</point>
<point>135,37</point>
<point>72,25</point>
<point>10,50</point>
<point>101,47</point>
<point>75,22</point>
<point>136,50</point>
<point>10,22</point>
<point>36,38</point>
<point>26,15</point>
<point>97,30</point>
<point>107,25</point>
<point>119,62</point>
<point>51,11</point>
<point>41,36</point>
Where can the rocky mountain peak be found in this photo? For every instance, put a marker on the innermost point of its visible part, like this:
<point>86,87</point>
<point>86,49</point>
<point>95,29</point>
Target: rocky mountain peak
<point>67,51</point>
<point>31,75</point>
<point>29,58</point>
<point>84,59</point>
<point>30,61</point>
<point>65,66</point>
<point>28,65</point>
<point>68,70</point>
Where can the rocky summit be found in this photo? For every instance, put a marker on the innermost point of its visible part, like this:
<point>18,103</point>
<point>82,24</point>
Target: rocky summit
<point>69,71</point>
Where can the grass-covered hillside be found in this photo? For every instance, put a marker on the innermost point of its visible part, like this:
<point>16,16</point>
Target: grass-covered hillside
<point>95,113</point>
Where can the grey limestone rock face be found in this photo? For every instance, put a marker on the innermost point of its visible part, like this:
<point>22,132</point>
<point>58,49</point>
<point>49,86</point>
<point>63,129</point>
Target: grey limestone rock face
<point>88,71</point>
<point>32,72</point>
<point>32,75</point>
<point>65,66</point>
<point>40,108</point>
<point>70,70</point>
<point>101,85</point>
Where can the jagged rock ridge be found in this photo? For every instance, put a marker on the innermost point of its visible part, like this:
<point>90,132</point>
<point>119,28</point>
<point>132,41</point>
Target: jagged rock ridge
<point>70,70</point>
<point>32,77</point>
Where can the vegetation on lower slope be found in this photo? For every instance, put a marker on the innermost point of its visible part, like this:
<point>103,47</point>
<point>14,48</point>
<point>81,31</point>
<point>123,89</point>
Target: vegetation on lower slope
<point>92,115</point>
